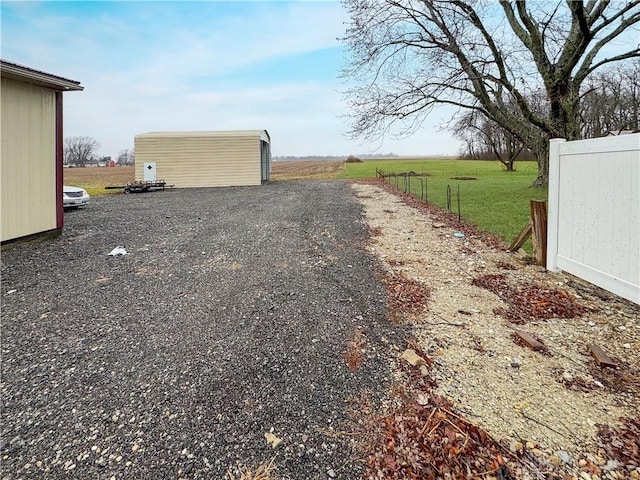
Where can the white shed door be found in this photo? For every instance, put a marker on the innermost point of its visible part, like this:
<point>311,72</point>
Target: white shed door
<point>149,171</point>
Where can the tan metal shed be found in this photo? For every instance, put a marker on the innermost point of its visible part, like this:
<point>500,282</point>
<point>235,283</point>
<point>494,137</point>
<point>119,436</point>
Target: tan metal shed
<point>32,151</point>
<point>204,159</point>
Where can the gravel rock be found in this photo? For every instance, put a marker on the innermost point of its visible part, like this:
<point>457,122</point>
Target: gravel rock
<point>611,465</point>
<point>412,358</point>
<point>564,457</point>
<point>227,317</point>
<point>515,446</point>
<point>516,362</point>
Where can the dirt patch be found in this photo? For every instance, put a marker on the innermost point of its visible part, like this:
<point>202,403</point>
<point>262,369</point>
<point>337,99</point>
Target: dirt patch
<point>98,176</point>
<point>305,169</point>
<point>530,402</point>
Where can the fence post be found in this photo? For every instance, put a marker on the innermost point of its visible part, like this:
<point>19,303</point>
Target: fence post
<point>539,231</point>
<point>555,144</point>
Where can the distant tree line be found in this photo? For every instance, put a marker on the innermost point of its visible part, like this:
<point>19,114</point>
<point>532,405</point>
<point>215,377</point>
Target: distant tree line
<point>80,151</point>
<point>609,105</point>
<point>126,157</point>
<point>332,157</point>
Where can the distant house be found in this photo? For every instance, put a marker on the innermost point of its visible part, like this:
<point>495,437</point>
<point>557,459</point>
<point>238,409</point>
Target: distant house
<point>204,159</point>
<point>32,149</point>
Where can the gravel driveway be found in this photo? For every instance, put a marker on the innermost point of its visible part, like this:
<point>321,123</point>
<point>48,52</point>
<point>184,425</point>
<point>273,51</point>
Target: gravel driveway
<point>226,320</point>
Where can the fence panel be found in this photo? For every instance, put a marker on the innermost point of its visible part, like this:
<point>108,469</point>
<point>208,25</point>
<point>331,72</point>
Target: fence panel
<point>594,211</point>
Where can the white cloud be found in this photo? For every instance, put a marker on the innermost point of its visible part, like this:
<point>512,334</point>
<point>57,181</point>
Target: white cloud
<point>203,66</point>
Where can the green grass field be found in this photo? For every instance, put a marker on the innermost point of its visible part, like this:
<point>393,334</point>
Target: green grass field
<point>496,202</point>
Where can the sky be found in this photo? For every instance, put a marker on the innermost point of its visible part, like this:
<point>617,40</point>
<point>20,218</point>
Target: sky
<point>172,66</point>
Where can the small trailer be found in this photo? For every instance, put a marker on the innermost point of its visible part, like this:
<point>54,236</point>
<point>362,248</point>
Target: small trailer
<point>139,186</point>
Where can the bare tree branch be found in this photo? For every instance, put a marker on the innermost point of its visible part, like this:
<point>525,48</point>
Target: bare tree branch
<point>521,64</point>
<point>79,150</point>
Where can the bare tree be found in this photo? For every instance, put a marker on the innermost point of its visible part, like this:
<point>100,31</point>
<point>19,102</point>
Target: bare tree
<point>485,139</point>
<point>611,101</point>
<point>126,157</point>
<point>408,56</point>
<point>609,104</point>
<point>79,150</point>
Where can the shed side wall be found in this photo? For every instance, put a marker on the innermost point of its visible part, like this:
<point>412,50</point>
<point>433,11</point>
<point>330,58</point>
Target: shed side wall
<point>27,161</point>
<point>207,161</point>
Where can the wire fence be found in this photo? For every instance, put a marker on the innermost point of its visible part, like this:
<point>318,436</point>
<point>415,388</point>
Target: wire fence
<point>417,184</point>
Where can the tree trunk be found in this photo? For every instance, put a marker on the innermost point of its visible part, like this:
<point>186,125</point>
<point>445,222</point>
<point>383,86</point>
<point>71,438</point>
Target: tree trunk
<point>564,123</point>
<point>542,157</point>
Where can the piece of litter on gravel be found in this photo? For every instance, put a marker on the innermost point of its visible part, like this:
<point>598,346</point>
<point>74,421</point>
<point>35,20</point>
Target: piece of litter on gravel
<point>12,291</point>
<point>119,250</point>
<point>272,440</point>
<point>458,235</point>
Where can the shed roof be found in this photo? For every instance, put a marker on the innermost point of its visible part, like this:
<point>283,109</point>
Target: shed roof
<point>263,134</point>
<point>36,77</point>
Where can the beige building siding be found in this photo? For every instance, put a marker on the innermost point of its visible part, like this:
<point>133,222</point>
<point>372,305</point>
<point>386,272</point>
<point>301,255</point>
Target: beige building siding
<point>202,159</point>
<point>28,159</point>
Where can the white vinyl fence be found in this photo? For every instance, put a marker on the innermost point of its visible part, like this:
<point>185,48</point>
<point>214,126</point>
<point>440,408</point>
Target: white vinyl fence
<point>594,212</point>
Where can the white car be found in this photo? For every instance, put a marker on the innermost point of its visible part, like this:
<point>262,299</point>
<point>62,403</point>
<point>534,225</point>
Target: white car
<point>73,197</point>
